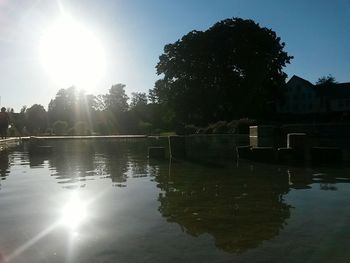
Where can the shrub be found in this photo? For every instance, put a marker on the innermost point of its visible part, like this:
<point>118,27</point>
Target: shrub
<point>190,129</point>
<point>60,127</point>
<point>200,131</point>
<point>220,127</point>
<point>243,125</point>
<point>80,128</point>
<point>145,127</point>
<point>232,126</point>
<point>208,130</point>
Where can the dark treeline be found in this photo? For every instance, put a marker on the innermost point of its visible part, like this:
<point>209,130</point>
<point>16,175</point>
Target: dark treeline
<point>72,112</point>
<point>228,74</point>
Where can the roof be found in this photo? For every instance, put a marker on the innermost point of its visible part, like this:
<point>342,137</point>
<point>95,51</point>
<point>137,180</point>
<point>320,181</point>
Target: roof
<point>299,79</point>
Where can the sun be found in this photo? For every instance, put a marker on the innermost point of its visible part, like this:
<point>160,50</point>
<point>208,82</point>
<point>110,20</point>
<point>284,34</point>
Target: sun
<point>71,54</point>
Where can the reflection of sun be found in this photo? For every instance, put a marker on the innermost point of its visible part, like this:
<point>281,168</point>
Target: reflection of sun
<point>71,54</point>
<point>74,212</point>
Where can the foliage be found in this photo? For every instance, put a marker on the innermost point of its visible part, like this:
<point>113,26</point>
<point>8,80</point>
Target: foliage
<point>326,81</point>
<point>223,127</point>
<point>60,127</point>
<point>71,105</point>
<point>80,128</point>
<point>116,100</point>
<point>138,100</point>
<point>36,119</point>
<point>145,127</point>
<point>182,129</point>
<point>243,125</point>
<point>231,70</point>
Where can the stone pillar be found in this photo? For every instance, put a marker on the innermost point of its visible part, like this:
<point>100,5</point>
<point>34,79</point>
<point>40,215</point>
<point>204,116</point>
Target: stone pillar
<point>263,136</point>
<point>299,143</point>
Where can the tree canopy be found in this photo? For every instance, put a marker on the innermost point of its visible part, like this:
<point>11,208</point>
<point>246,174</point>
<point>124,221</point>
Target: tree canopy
<point>326,80</point>
<point>231,70</point>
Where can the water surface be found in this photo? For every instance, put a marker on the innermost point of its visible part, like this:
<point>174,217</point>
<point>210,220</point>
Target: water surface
<point>106,202</point>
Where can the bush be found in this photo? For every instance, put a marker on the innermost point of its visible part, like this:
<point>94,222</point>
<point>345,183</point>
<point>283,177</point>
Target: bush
<point>60,127</point>
<point>208,130</point>
<point>12,131</point>
<point>145,127</point>
<point>190,129</point>
<point>232,126</point>
<point>243,125</point>
<point>220,127</point>
<point>79,128</point>
<point>187,129</point>
<point>200,131</point>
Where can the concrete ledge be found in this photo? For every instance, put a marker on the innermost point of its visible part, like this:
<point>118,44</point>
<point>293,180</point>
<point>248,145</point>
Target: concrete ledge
<point>243,152</point>
<point>9,143</point>
<point>266,154</point>
<point>92,137</point>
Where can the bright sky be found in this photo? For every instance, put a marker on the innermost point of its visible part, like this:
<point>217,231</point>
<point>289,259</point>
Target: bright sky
<point>132,35</point>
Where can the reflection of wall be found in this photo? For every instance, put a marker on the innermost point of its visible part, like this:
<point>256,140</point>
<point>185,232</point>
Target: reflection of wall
<point>239,207</point>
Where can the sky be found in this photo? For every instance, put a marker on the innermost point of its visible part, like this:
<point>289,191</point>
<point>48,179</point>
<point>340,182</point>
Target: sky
<point>132,34</point>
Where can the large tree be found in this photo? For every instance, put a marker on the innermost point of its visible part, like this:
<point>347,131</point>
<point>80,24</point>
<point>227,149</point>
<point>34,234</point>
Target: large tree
<point>73,106</point>
<point>231,70</point>
<point>36,119</point>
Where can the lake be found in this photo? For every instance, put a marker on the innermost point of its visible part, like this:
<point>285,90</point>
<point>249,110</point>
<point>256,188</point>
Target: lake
<point>107,202</point>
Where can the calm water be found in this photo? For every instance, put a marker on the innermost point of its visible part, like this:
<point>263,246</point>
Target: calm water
<point>106,202</point>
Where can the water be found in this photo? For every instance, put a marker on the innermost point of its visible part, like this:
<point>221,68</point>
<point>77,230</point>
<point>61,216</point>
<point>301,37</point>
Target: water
<point>106,202</point>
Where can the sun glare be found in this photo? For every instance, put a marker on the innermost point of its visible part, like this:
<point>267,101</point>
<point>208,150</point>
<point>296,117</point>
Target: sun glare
<point>71,54</point>
<point>74,212</point>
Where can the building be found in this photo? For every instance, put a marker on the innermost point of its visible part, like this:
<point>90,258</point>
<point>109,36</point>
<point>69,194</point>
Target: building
<point>303,97</point>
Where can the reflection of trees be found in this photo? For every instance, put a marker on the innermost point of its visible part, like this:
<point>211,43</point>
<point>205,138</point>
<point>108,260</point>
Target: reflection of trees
<point>73,160</point>
<point>36,160</point>
<point>239,207</point>
<point>123,158</point>
<point>4,165</point>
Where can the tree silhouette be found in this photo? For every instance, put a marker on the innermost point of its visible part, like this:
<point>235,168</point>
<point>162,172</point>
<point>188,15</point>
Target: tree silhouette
<point>239,207</point>
<point>117,100</point>
<point>36,119</point>
<point>231,70</point>
<point>138,99</point>
<point>326,81</point>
